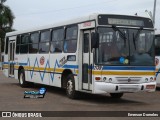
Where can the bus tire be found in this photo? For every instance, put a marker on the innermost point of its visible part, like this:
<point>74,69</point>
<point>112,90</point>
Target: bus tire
<point>116,95</point>
<point>22,81</point>
<point>70,87</point>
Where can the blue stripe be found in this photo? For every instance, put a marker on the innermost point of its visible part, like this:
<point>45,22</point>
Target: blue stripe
<point>9,63</point>
<point>23,64</point>
<point>71,66</point>
<point>5,62</point>
<point>127,68</point>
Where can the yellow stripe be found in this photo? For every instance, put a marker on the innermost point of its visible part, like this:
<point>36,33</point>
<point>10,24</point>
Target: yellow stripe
<point>123,73</point>
<point>58,70</point>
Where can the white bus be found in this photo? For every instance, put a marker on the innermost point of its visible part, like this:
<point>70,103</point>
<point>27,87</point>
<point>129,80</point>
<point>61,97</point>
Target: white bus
<point>99,53</point>
<point>157,54</point>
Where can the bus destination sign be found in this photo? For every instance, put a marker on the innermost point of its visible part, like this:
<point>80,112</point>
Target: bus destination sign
<point>116,21</point>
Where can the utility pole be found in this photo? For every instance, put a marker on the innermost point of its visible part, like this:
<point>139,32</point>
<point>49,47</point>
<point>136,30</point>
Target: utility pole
<point>154,12</point>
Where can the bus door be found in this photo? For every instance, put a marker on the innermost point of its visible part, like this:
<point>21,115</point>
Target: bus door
<point>11,56</point>
<point>86,61</point>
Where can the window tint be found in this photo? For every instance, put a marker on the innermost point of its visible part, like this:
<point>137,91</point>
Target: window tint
<point>44,42</point>
<point>34,37</point>
<point>33,48</point>
<point>45,36</point>
<point>25,39</point>
<point>157,45</point>
<point>71,32</point>
<point>57,35</point>
<point>17,48</point>
<point>70,46</point>
<point>18,42</point>
<point>86,43</point>
<point>44,47</point>
<point>6,49</point>
<point>56,46</point>
<point>70,43</point>
<point>24,48</point>
<point>57,40</point>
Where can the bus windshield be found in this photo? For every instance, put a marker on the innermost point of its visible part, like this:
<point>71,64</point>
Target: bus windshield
<point>123,46</point>
<point>157,45</point>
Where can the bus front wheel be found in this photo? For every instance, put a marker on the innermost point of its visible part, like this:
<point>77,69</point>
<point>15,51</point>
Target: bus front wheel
<point>70,87</point>
<point>22,81</point>
<point>116,95</point>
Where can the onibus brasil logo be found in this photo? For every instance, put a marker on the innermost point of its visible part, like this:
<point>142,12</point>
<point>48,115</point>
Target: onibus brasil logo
<point>35,94</point>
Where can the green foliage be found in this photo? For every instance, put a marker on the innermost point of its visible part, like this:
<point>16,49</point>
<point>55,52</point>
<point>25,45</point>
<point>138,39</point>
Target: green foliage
<point>6,21</point>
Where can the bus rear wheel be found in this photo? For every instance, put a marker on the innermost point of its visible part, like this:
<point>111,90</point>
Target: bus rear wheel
<point>22,81</point>
<point>116,95</point>
<point>70,87</point>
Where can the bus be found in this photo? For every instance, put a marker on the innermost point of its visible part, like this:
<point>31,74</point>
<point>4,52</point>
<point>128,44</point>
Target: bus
<point>157,56</point>
<point>98,53</point>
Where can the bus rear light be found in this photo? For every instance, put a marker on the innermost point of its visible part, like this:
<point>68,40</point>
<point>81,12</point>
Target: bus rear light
<point>97,78</point>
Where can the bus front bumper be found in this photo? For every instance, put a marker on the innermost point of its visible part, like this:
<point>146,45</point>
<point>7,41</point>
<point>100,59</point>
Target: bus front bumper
<point>102,87</point>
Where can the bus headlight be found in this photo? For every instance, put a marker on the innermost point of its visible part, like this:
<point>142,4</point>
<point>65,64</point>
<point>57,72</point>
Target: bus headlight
<point>146,80</point>
<point>110,80</point>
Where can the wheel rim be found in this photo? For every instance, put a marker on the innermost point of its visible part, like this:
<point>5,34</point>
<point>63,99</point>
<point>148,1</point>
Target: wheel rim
<point>69,87</point>
<point>21,79</point>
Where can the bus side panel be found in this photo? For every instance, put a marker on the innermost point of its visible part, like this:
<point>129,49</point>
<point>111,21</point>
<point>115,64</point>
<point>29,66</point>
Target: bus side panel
<point>58,64</point>
<point>5,65</point>
<point>38,65</point>
<point>21,61</point>
<point>56,69</point>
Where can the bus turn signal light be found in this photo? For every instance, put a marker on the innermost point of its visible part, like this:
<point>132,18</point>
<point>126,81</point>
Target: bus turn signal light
<point>97,78</point>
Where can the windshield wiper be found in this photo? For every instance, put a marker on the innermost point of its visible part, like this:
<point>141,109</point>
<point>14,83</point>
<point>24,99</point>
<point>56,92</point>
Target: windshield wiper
<point>136,36</point>
<point>121,33</point>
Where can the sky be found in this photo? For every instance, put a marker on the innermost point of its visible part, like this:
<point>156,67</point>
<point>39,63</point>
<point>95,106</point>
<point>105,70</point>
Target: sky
<point>34,13</point>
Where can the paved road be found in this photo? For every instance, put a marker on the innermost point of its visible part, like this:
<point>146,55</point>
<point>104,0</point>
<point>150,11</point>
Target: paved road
<point>11,99</point>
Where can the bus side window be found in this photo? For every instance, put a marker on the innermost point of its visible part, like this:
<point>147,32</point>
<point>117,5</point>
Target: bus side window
<point>70,43</point>
<point>33,43</point>
<point>18,44</point>
<point>44,41</point>
<point>57,40</point>
<point>24,43</point>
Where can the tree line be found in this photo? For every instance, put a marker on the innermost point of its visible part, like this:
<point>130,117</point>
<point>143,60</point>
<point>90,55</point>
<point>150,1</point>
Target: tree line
<point>6,22</point>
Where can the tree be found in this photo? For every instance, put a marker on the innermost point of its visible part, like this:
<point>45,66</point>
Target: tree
<point>6,21</point>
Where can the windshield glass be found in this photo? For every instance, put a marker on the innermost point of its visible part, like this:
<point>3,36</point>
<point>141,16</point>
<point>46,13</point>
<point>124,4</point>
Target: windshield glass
<point>125,47</point>
<point>157,45</point>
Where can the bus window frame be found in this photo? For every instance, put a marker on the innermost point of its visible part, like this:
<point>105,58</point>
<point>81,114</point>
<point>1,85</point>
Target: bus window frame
<point>76,39</point>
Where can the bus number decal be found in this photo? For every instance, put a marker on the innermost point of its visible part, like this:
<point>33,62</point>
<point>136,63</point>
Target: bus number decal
<point>98,67</point>
<point>62,61</point>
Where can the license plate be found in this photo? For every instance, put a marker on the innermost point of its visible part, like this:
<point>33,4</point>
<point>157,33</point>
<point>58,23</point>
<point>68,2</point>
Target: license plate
<point>150,87</point>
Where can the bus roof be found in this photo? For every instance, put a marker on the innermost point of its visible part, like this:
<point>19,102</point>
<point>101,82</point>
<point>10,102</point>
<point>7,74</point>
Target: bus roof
<point>72,21</point>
